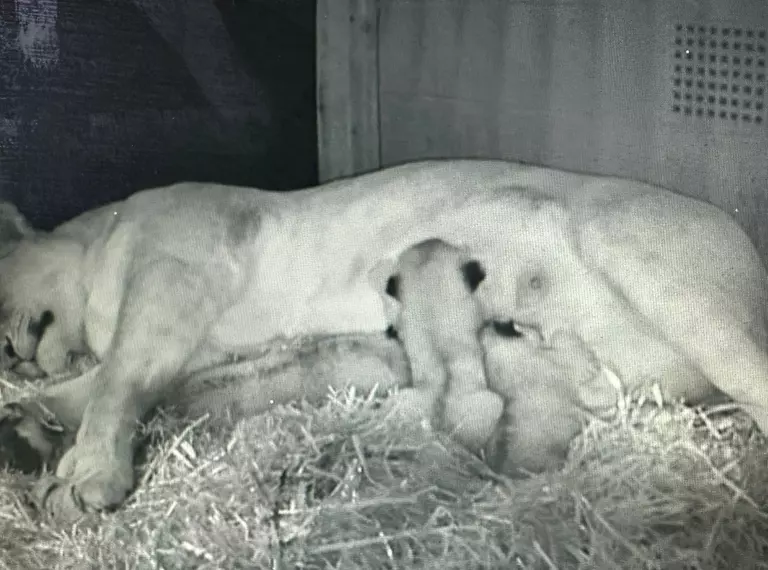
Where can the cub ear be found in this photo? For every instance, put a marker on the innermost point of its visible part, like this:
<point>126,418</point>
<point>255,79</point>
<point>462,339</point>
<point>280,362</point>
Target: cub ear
<point>474,274</point>
<point>37,328</point>
<point>393,287</point>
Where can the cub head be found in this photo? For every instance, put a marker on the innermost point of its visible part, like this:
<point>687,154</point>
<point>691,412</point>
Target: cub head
<point>471,271</point>
<point>432,269</point>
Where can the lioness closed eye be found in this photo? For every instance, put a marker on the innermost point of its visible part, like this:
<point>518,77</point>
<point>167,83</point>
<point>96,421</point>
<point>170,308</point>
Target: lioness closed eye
<point>439,321</point>
<point>170,283</point>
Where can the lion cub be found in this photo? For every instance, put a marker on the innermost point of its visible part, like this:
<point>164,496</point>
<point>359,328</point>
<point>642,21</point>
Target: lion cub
<point>550,390</point>
<point>438,320</point>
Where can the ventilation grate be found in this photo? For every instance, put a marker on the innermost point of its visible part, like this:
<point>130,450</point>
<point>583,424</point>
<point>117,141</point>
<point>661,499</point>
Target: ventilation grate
<point>720,73</point>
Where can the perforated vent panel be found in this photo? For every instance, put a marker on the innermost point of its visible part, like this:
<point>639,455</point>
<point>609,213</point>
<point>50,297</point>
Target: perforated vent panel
<point>719,73</point>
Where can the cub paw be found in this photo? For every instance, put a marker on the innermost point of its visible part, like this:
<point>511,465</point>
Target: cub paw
<point>517,463</point>
<point>84,483</point>
<point>597,388</point>
<point>472,418</point>
<point>568,351</point>
<point>30,439</point>
<point>414,404</point>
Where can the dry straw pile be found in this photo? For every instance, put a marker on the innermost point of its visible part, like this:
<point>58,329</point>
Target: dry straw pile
<point>342,486</point>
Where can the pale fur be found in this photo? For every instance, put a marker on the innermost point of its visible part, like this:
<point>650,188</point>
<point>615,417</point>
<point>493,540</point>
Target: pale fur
<point>173,280</point>
<point>550,389</point>
<point>439,323</point>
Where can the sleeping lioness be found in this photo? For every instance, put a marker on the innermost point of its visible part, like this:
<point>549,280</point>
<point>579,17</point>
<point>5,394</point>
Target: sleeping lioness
<point>175,281</point>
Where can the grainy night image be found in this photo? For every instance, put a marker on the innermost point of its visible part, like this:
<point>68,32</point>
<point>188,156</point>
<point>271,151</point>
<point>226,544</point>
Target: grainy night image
<point>101,99</point>
<point>378,284</point>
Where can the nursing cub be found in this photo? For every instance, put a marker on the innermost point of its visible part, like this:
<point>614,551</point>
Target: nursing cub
<point>439,323</point>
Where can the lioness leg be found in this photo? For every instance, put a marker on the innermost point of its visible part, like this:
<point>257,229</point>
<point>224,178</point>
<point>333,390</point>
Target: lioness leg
<point>305,369</point>
<point>148,350</point>
<point>734,362</point>
<point>66,401</point>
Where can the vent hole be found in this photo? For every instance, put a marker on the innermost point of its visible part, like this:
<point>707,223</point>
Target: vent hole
<point>713,83</point>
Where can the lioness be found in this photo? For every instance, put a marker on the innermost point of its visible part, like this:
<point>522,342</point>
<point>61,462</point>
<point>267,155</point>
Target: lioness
<point>439,322</point>
<point>175,280</point>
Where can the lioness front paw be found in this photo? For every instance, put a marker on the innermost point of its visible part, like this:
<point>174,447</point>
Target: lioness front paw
<point>84,483</point>
<point>30,438</point>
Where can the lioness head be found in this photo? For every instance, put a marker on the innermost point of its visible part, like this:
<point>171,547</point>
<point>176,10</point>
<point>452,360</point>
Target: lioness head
<point>20,331</point>
<point>21,334</point>
<point>41,304</point>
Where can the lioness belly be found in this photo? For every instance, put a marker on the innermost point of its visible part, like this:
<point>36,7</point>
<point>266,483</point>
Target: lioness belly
<point>641,361</point>
<point>311,275</point>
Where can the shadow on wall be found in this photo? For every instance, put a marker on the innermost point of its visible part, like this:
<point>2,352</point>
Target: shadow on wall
<point>107,98</point>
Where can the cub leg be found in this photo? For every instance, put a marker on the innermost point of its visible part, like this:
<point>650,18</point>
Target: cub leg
<point>471,417</point>
<point>415,404</point>
<point>429,376</point>
<point>470,410</point>
<point>427,367</point>
<point>148,350</point>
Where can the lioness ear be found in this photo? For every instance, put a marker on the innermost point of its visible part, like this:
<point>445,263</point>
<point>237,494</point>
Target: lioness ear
<point>393,287</point>
<point>14,227</point>
<point>474,274</point>
<point>379,273</point>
